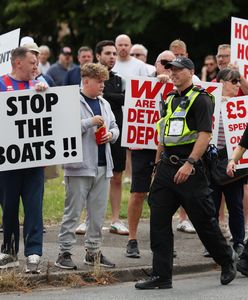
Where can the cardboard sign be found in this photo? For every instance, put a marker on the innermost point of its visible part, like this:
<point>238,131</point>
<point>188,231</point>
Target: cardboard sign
<point>40,128</point>
<point>214,88</point>
<point>239,44</point>
<point>235,118</point>
<point>8,42</point>
<point>141,112</point>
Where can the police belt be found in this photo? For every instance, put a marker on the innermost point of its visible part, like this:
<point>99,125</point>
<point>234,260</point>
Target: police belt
<point>176,160</point>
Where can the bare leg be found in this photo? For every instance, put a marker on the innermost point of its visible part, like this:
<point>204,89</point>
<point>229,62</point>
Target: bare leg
<point>135,206</point>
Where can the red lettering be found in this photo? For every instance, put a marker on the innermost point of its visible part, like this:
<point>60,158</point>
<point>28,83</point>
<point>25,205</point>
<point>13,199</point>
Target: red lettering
<point>210,89</point>
<point>229,109</point>
<point>141,135</point>
<point>149,134</point>
<point>240,31</point>
<point>138,103</point>
<point>245,71</point>
<point>146,88</point>
<point>241,50</point>
<point>131,134</point>
<point>168,88</point>
<point>237,30</point>
<point>243,161</point>
<point>140,116</point>
<point>131,115</point>
<point>152,104</point>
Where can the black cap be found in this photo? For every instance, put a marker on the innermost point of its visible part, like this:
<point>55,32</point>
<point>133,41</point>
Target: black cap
<point>181,62</point>
<point>66,51</point>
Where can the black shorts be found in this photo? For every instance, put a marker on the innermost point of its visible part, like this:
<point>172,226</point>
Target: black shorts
<point>142,167</point>
<point>118,155</point>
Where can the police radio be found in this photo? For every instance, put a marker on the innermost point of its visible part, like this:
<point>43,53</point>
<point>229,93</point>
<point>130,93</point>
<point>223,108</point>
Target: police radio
<point>162,107</point>
<point>184,102</point>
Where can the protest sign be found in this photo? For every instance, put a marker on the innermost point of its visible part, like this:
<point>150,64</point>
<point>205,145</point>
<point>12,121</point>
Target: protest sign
<point>8,42</point>
<point>40,128</point>
<point>234,112</point>
<point>141,111</point>
<point>214,88</point>
<point>239,44</point>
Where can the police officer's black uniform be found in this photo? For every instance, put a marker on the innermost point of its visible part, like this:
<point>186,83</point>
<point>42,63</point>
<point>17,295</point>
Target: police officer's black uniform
<point>194,195</point>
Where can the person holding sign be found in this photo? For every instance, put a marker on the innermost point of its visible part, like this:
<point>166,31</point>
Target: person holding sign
<point>184,132</point>
<point>233,191</point>
<point>242,265</point>
<point>25,183</point>
<point>87,183</point>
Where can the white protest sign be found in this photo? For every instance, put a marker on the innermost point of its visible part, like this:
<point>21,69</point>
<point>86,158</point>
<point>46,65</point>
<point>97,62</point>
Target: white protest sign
<point>239,44</point>
<point>235,118</point>
<point>8,42</point>
<point>40,128</point>
<point>141,111</point>
<point>214,88</point>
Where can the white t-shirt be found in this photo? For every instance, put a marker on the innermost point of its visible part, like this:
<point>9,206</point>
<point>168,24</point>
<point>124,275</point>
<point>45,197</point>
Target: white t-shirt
<point>131,67</point>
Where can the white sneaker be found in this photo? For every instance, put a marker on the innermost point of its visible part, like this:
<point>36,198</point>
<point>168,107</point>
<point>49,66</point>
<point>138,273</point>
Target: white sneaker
<point>81,229</point>
<point>119,228</point>
<point>186,226</point>
<point>32,264</point>
<point>127,180</point>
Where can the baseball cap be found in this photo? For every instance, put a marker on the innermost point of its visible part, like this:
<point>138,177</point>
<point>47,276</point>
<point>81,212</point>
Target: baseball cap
<point>66,51</point>
<point>181,62</point>
<point>32,47</point>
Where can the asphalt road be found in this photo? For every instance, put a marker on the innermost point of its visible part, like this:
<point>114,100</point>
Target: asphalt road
<point>194,287</point>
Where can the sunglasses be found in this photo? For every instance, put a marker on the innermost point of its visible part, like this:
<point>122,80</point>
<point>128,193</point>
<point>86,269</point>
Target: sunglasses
<point>235,81</point>
<point>164,62</point>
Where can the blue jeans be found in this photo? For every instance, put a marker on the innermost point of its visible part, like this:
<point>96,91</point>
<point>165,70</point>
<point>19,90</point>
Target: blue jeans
<point>233,193</point>
<point>29,185</point>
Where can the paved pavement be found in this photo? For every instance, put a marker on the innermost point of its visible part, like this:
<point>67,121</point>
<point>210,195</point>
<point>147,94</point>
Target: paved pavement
<point>188,246</point>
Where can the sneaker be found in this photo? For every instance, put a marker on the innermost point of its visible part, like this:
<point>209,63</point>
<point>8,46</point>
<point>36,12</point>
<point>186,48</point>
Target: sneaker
<point>97,258</point>
<point>127,180</point>
<point>132,249</point>
<point>118,228</point>
<point>32,264</point>
<point>81,229</point>
<point>186,226</point>
<point>238,249</point>
<point>8,261</point>
<point>64,261</point>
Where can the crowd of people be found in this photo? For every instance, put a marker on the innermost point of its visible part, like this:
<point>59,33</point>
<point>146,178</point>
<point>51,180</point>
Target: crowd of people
<point>177,167</point>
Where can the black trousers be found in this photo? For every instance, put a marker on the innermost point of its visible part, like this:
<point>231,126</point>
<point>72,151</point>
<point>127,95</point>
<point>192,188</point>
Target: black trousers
<point>194,195</point>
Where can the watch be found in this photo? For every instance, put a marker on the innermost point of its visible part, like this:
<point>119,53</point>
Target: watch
<point>191,160</point>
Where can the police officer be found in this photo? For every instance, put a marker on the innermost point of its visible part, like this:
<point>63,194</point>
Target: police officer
<point>184,133</point>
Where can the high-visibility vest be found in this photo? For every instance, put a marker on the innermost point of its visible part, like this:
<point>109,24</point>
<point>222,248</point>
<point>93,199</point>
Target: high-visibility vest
<point>173,129</point>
